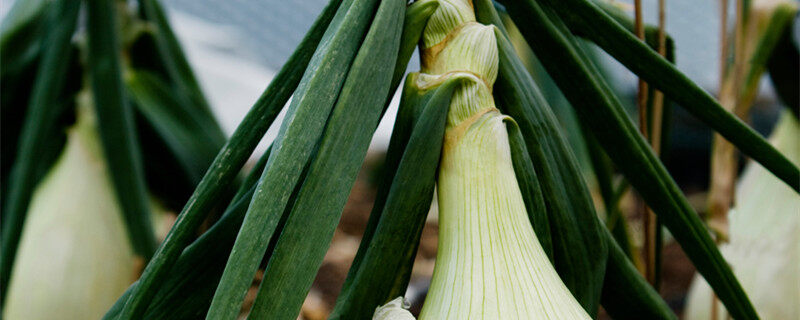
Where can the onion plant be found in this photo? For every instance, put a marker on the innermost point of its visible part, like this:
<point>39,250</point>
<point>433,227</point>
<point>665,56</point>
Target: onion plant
<point>520,235</point>
<point>74,223</point>
<point>78,188</point>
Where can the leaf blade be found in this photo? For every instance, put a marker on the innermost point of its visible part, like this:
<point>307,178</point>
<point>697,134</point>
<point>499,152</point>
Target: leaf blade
<point>599,108</point>
<point>383,271</point>
<point>188,140</point>
<point>115,122</point>
<point>658,72</point>
<point>302,244</point>
<point>40,116</point>
<point>175,60</point>
<point>300,133</point>
<point>571,214</point>
<point>226,165</point>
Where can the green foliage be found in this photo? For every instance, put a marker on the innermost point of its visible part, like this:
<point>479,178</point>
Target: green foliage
<point>601,29</point>
<point>225,167</point>
<point>342,76</point>
<point>600,109</point>
<point>303,242</point>
<point>383,268</point>
<point>42,114</point>
<point>300,133</point>
<point>117,130</point>
<point>579,254</point>
<point>626,295</point>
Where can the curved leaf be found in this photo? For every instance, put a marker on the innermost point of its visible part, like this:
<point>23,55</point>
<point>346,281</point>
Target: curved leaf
<point>225,167</point>
<point>384,269</point>
<point>597,26</point>
<point>601,110</point>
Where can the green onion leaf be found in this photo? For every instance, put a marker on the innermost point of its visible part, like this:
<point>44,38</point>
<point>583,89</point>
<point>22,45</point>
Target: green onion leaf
<point>115,120</point>
<point>387,255</point>
<point>302,244</point>
<point>626,294</point>
<point>225,167</point>
<point>297,139</point>
<point>601,110</point>
<point>597,26</point>
<point>42,113</point>
<point>172,56</point>
<point>579,254</point>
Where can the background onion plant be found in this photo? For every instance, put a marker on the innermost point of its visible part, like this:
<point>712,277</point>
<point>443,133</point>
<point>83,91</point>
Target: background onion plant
<point>99,94</point>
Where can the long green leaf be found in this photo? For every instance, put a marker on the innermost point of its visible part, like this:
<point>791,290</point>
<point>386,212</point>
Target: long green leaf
<point>621,17</point>
<point>578,254</point>
<point>117,131</point>
<point>598,107</point>
<point>21,35</point>
<point>42,113</point>
<point>388,254</point>
<point>416,18</point>
<point>15,102</point>
<point>784,68</point>
<point>193,145</point>
<point>615,221</point>
<point>190,294</point>
<point>188,291</point>
<point>175,61</point>
<point>597,26</point>
<point>225,166</point>
<point>626,295</point>
<point>529,185</point>
<point>779,23</point>
<point>603,168</point>
<point>299,134</point>
<point>145,56</point>
<point>303,242</point>
<point>167,180</point>
<point>170,113</point>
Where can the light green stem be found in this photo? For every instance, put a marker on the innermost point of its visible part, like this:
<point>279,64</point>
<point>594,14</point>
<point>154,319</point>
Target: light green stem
<point>489,263</point>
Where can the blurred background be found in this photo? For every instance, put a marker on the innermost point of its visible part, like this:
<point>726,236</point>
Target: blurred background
<point>236,46</point>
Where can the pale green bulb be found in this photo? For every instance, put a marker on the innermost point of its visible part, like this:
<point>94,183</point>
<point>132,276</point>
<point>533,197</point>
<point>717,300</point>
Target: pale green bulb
<point>74,258</point>
<point>489,264</point>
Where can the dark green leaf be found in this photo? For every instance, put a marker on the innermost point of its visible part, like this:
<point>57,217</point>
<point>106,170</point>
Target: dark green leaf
<point>190,141</point>
<point>587,19</point>
<point>305,238</point>
<point>603,168</point>
<point>21,36</point>
<point>416,18</point>
<point>292,149</point>
<point>529,185</point>
<point>175,61</point>
<point>225,167</point>
<point>187,293</point>
<point>384,268</point>
<point>601,110</point>
<point>626,295</point>
<point>117,130</point>
<point>578,253</point>
<point>41,117</point>
<point>415,21</point>
<point>784,68</point>
<point>650,31</point>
